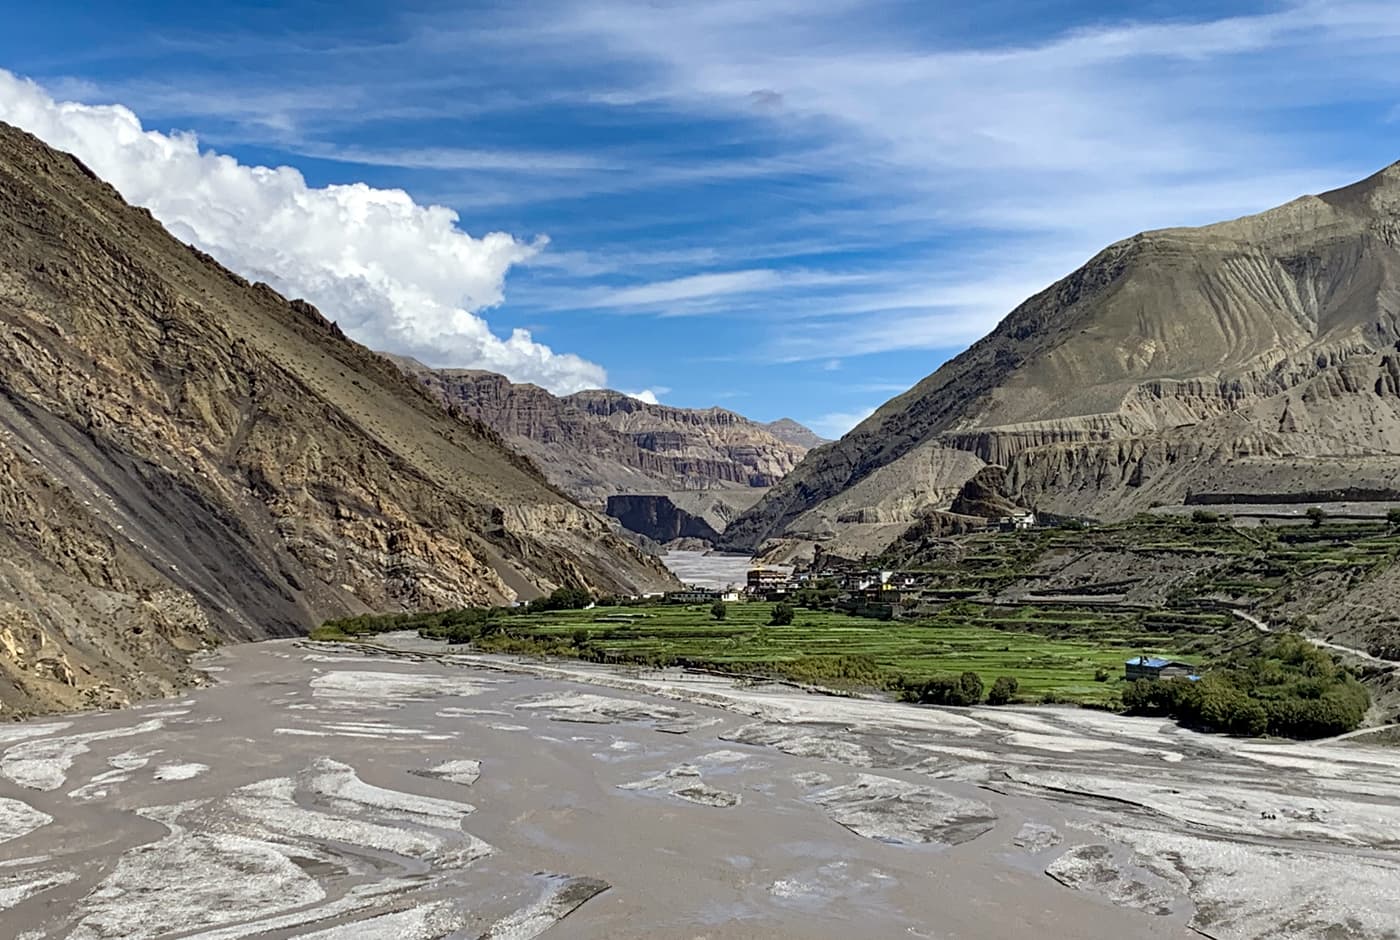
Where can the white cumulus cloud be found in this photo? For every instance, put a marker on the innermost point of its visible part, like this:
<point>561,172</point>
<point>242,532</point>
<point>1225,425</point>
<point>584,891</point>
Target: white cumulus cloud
<point>394,274</point>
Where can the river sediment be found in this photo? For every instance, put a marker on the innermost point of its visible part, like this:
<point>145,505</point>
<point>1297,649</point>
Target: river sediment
<point>413,791</point>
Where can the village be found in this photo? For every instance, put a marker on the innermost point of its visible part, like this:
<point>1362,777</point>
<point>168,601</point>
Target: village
<point>1180,590</point>
<point>858,590</point>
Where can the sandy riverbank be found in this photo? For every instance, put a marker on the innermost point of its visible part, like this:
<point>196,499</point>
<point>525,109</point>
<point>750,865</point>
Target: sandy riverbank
<point>320,791</point>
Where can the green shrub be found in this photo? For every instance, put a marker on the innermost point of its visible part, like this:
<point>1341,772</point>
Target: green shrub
<point>965,689</point>
<point>718,610</point>
<point>844,672</point>
<point>562,598</point>
<point>1003,691</point>
<point>782,616</point>
<point>970,687</point>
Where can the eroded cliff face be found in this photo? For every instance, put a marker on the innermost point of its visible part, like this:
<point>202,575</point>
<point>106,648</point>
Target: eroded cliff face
<point>596,444</point>
<point>188,457</point>
<point>1172,363</point>
<point>659,519</point>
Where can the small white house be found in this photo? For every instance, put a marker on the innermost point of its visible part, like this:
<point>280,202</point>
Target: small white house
<point>1018,522</point>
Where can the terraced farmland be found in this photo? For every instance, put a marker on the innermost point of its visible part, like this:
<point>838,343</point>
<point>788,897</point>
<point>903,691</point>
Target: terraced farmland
<point>1054,655</point>
<point>1059,610</point>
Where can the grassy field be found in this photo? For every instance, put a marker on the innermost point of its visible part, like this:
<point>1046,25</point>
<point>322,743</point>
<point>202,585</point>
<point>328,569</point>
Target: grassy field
<point>1068,647</point>
<point>1062,666</point>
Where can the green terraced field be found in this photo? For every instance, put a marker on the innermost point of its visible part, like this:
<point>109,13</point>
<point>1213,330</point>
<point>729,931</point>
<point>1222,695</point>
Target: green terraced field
<point>1063,667</point>
<point>1053,650</point>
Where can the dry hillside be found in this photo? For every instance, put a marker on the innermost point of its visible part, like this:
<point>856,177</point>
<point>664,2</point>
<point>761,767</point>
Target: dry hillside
<point>188,457</point>
<point>1252,356</point>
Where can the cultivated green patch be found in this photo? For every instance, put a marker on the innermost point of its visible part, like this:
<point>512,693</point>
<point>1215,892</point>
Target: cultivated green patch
<point>820,647</point>
<point>987,609</point>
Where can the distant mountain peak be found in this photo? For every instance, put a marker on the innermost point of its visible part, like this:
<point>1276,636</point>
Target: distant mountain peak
<point>1252,355</point>
<point>786,429</point>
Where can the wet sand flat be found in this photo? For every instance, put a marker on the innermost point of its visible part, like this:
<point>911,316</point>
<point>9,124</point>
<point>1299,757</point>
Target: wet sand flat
<point>713,570</point>
<point>414,791</point>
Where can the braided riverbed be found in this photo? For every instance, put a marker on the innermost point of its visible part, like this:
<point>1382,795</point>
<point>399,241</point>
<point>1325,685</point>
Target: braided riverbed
<point>407,790</point>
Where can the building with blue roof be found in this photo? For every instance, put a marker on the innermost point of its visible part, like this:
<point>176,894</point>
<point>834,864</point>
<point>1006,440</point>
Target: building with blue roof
<point>1154,667</point>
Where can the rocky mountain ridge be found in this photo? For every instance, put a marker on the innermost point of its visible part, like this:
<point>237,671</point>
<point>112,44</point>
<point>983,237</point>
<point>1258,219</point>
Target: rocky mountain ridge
<point>1257,355</point>
<point>187,457</point>
<point>598,443</point>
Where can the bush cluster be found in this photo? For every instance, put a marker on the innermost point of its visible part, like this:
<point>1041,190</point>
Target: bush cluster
<point>1003,691</point>
<point>461,625</point>
<point>844,672</point>
<point>1282,685</point>
<point>564,598</point>
<point>965,689</point>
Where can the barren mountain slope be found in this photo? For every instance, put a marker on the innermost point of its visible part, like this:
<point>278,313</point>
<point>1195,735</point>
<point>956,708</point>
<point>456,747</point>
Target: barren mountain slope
<point>185,455</point>
<point>595,444</point>
<point>1171,362</point>
<point>788,430</point>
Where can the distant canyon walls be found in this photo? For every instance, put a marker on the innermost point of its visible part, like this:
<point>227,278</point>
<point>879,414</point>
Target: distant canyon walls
<point>597,445</point>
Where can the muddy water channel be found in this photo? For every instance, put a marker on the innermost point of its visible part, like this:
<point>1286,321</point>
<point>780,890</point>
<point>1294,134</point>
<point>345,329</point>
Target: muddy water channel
<point>412,792</point>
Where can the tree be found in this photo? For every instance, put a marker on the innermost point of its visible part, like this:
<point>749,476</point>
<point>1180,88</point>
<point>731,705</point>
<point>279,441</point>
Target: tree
<point>564,598</point>
<point>1393,517</point>
<point>965,689</point>
<point>718,611</point>
<point>1003,691</point>
<point>1205,517</point>
<point>970,688</point>
<point>1318,515</point>
<point>782,616</point>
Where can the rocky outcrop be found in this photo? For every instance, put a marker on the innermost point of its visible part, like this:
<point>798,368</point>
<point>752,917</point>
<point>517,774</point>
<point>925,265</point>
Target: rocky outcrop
<point>596,444</point>
<point>1232,357</point>
<point>987,496</point>
<point>659,519</point>
<point>186,457</point>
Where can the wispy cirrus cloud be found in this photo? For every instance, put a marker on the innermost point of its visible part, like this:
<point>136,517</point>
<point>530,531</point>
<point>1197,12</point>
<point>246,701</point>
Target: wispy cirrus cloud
<point>863,179</point>
<point>717,291</point>
<point>1090,134</point>
<point>464,158</point>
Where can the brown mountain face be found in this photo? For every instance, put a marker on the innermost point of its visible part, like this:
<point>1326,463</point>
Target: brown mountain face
<point>187,457</point>
<point>1254,356</point>
<point>789,431</point>
<point>596,444</point>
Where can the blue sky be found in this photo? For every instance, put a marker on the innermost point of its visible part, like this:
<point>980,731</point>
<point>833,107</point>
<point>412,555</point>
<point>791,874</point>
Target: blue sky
<point>781,207</point>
